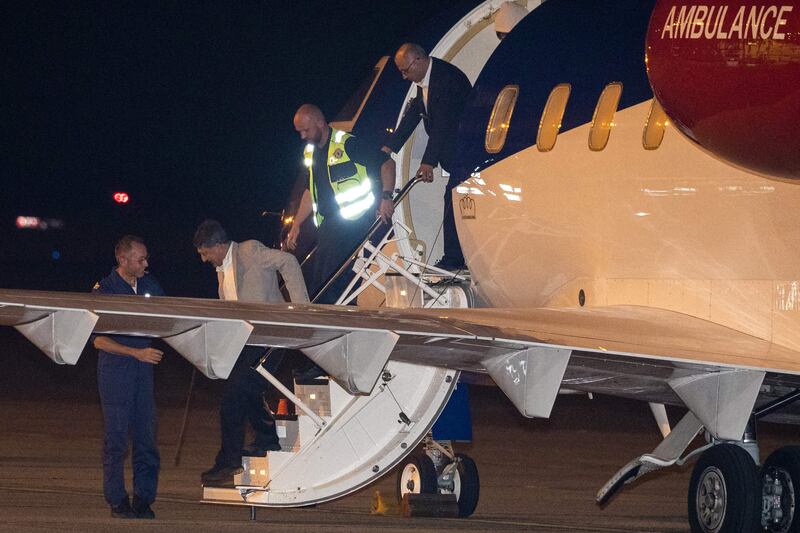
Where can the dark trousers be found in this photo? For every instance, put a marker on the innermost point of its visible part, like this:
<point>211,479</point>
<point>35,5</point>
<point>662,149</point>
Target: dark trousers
<point>126,396</point>
<point>452,247</point>
<point>336,240</point>
<point>243,400</point>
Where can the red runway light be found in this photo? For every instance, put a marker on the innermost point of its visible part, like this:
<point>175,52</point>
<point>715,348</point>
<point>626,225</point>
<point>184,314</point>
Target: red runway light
<point>121,197</point>
<point>24,222</point>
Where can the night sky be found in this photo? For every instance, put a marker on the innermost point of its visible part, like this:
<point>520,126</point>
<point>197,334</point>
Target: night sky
<point>186,106</point>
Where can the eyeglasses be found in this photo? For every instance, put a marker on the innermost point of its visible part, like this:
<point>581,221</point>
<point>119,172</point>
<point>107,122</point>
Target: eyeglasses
<point>404,71</point>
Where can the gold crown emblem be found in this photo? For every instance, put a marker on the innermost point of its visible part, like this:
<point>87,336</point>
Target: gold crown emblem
<point>467,207</point>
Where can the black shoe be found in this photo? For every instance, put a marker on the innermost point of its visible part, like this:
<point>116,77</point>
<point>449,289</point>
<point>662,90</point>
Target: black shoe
<point>142,510</point>
<point>123,510</point>
<point>450,265</point>
<point>260,450</point>
<point>220,475</point>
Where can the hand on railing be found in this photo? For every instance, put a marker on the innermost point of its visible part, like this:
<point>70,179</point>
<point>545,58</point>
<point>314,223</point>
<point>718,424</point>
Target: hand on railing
<point>291,238</point>
<point>385,211</point>
<point>425,173</point>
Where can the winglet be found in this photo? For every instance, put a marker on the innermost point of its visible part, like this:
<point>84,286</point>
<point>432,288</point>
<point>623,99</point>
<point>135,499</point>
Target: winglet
<point>530,378</point>
<point>355,360</point>
<point>61,334</point>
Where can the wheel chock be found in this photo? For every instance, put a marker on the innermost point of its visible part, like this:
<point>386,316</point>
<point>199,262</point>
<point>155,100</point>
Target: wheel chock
<point>383,506</point>
<point>430,505</point>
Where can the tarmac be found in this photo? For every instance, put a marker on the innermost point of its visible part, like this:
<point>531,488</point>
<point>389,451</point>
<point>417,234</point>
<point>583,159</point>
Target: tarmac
<point>536,475</point>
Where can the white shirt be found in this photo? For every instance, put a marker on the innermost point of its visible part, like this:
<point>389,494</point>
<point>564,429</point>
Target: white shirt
<point>425,82</point>
<point>228,276</point>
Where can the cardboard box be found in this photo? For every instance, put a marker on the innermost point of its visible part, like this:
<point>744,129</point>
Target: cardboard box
<point>317,397</point>
<point>288,435</point>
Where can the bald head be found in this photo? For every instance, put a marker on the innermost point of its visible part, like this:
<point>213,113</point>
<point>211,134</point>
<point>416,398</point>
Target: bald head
<point>412,61</point>
<point>311,111</point>
<point>411,50</point>
<point>309,121</point>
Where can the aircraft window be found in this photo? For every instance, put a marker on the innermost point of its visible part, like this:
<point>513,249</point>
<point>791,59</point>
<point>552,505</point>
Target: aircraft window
<point>550,124</point>
<point>500,120</point>
<point>654,129</point>
<point>603,119</point>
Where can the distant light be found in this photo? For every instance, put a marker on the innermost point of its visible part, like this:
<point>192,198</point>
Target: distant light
<point>56,255</point>
<point>121,197</point>
<point>28,222</point>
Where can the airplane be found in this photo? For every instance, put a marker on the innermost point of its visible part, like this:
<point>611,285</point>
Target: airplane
<point>618,244</point>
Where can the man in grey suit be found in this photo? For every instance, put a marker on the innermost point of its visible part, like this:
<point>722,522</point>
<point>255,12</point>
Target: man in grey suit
<point>247,272</point>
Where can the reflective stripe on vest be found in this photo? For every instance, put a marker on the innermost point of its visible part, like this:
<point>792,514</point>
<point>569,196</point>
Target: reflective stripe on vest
<point>353,193</point>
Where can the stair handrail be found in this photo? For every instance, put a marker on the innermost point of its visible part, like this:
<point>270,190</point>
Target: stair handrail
<point>399,197</point>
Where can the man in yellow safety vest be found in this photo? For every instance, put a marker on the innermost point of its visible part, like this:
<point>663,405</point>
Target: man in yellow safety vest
<point>344,195</point>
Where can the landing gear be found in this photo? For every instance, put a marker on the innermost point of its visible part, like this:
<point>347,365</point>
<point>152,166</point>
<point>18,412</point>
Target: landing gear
<point>780,480</point>
<point>461,478</point>
<point>417,475</point>
<point>724,491</point>
<point>728,491</point>
<point>438,470</point>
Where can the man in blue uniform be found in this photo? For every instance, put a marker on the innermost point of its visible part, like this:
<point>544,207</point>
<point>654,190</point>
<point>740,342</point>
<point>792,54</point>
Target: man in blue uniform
<point>125,379</point>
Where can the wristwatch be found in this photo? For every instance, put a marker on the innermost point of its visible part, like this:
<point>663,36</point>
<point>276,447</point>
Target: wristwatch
<point>387,195</point>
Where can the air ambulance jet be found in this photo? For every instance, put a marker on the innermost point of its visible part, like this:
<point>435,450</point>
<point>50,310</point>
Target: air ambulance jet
<point>618,244</point>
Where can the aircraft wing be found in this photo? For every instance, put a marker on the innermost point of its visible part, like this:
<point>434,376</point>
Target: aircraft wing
<point>638,352</point>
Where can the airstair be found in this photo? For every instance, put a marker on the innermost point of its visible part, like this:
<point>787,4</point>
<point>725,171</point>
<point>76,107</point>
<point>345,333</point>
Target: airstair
<point>345,442</point>
<point>339,442</point>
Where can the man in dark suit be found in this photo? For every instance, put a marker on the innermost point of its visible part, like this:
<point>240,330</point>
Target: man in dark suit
<point>442,91</point>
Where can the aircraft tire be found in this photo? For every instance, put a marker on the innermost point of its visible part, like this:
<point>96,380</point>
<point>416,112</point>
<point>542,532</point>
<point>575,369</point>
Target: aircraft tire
<point>725,492</point>
<point>780,477</point>
<point>417,475</point>
<point>468,485</point>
